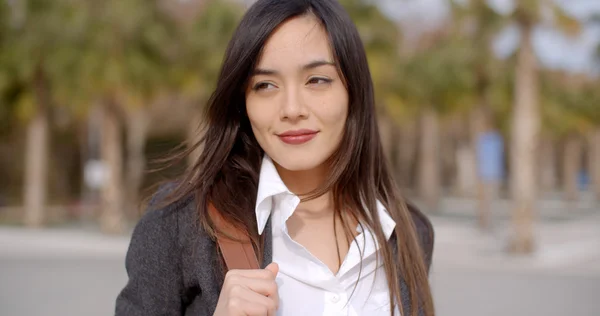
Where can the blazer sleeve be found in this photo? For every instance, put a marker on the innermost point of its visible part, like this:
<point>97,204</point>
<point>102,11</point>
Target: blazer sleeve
<point>153,264</point>
<point>424,232</point>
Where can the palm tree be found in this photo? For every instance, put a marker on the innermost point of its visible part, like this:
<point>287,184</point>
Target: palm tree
<point>204,34</point>
<point>526,121</point>
<point>591,110</point>
<point>567,116</point>
<point>594,137</point>
<point>435,82</point>
<point>595,155</point>
<point>119,69</point>
<point>478,22</point>
<point>524,135</point>
<point>35,27</point>
<point>594,140</point>
<point>381,39</point>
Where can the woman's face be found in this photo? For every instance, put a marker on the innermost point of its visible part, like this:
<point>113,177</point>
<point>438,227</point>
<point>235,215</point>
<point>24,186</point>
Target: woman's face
<point>296,101</point>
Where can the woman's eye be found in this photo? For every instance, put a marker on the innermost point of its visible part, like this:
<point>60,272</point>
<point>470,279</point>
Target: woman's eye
<point>263,86</point>
<point>319,81</point>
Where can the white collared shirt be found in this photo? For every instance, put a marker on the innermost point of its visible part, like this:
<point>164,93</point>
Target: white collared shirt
<point>306,285</point>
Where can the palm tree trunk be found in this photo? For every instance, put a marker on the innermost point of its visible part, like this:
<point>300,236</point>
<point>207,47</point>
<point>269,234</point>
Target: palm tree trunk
<point>448,146</point>
<point>547,162</point>
<point>429,166</point>
<point>571,167</point>
<point>137,130</point>
<point>36,170</point>
<point>467,174</point>
<point>477,128</point>
<point>525,130</point>
<point>405,158</point>
<point>594,162</point>
<point>112,154</point>
<point>386,134</point>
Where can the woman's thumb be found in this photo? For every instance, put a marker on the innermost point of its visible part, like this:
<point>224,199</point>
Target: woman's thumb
<point>273,267</point>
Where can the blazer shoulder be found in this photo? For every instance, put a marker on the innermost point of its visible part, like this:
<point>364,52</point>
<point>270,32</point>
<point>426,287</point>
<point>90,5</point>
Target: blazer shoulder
<point>162,220</point>
<point>158,210</point>
<point>154,261</point>
<point>425,232</point>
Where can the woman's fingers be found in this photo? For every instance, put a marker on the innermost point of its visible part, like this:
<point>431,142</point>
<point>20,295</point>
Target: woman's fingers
<point>260,286</point>
<point>251,303</point>
<point>266,274</point>
<point>249,293</point>
<point>273,268</point>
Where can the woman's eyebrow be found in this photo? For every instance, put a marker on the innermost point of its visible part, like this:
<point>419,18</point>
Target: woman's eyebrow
<point>318,63</point>
<point>311,65</point>
<point>266,72</point>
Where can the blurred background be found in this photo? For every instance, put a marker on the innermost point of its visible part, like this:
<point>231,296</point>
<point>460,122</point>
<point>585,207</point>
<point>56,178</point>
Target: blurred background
<point>489,113</point>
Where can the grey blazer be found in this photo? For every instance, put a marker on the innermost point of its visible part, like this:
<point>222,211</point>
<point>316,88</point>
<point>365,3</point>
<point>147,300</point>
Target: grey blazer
<point>174,269</point>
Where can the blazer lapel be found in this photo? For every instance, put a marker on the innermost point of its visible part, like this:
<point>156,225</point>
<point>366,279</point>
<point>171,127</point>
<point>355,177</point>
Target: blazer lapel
<point>268,246</point>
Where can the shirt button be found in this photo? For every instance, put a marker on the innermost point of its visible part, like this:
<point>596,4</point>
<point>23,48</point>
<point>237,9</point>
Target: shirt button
<point>335,298</point>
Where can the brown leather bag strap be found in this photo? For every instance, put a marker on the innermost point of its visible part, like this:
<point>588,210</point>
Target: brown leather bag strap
<point>239,253</point>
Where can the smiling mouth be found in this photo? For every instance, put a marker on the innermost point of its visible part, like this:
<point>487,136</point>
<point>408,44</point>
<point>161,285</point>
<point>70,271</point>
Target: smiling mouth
<point>297,137</point>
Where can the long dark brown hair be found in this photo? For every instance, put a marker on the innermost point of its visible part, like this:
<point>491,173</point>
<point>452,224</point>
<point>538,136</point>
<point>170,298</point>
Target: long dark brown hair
<point>227,171</point>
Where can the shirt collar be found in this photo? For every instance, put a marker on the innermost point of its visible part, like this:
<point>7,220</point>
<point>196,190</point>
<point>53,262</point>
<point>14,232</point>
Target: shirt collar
<point>270,185</point>
<point>387,223</point>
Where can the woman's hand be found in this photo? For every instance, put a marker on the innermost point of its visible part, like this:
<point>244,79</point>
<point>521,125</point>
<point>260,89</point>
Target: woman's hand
<point>249,293</point>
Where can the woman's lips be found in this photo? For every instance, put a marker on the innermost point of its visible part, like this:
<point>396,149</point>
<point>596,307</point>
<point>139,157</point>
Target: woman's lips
<point>297,137</point>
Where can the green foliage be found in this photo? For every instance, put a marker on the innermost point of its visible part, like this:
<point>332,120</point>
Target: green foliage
<point>454,69</point>
<point>120,53</point>
<point>527,12</point>
<point>438,77</point>
<point>565,22</point>
<point>201,47</point>
<point>133,51</point>
<point>4,76</point>
<point>380,37</point>
<point>501,94</point>
<point>570,107</point>
<point>31,38</point>
<point>530,13</point>
<point>378,33</point>
<point>478,24</point>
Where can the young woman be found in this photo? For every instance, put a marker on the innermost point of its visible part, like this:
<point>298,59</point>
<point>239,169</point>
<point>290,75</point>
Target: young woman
<point>292,156</point>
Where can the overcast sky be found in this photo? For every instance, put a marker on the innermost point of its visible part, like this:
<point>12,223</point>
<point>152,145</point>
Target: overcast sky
<point>554,49</point>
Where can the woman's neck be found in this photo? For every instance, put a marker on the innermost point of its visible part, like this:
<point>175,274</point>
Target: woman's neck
<point>313,223</point>
<point>303,182</point>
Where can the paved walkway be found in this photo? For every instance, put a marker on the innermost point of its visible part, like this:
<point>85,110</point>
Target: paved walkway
<point>570,247</point>
<point>561,245</point>
<point>48,243</point>
<point>75,272</point>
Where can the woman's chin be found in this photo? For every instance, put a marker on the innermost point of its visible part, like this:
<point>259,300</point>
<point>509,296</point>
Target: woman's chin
<point>298,163</point>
